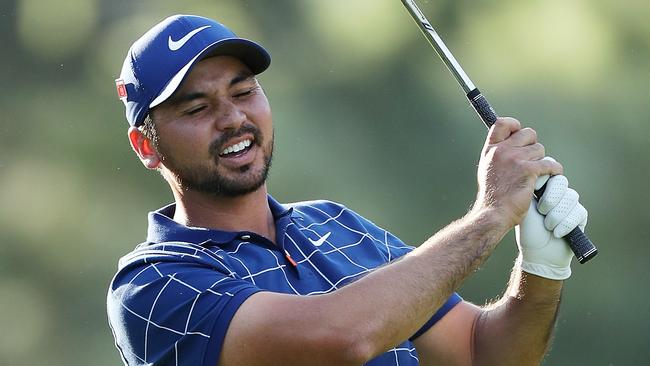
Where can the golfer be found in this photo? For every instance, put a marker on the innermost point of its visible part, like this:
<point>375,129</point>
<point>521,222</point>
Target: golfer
<point>229,276</point>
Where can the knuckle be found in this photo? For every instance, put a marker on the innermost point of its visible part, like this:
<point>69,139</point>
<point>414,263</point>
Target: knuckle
<point>508,121</point>
<point>553,166</point>
<point>500,123</point>
<point>514,121</point>
<point>502,153</point>
<point>532,132</point>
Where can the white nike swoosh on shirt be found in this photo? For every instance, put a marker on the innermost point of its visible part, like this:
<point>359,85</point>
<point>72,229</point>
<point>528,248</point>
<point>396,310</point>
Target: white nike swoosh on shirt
<point>176,45</point>
<point>320,241</point>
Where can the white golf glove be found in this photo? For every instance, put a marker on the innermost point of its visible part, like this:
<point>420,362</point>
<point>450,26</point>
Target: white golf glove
<point>543,252</point>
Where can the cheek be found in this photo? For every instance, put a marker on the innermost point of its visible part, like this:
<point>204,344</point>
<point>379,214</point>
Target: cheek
<point>261,113</point>
<point>184,143</point>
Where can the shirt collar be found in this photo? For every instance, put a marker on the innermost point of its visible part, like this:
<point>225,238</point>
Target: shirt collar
<point>162,227</point>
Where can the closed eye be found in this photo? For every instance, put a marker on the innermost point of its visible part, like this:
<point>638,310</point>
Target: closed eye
<point>245,93</point>
<point>195,110</point>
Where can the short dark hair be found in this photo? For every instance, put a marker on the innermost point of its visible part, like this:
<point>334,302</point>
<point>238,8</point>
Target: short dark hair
<point>149,129</point>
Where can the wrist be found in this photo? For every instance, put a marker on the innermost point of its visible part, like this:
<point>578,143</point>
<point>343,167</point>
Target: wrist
<point>536,289</point>
<point>491,219</point>
<point>547,270</point>
<point>505,211</point>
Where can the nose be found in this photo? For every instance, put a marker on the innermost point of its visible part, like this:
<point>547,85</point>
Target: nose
<point>229,116</point>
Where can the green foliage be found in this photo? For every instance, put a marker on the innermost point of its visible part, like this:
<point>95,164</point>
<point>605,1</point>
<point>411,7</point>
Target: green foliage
<point>365,114</point>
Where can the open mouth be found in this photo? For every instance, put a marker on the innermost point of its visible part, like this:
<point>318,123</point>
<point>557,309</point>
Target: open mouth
<point>237,149</point>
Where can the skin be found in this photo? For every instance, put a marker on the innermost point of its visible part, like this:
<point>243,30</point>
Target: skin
<point>186,128</point>
<point>364,319</point>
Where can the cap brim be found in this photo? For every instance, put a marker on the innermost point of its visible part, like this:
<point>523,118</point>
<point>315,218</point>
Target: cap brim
<point>250,53</point>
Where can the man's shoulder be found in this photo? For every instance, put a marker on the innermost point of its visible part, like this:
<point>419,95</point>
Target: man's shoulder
<point>321,209</point>
<point>322,204</point>
<point>168,254</point>
<point>325,211</point>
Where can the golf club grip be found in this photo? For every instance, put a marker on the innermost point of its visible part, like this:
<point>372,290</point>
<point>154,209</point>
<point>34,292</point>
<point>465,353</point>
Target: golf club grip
<point>482,107</point>
<point>578,241</point>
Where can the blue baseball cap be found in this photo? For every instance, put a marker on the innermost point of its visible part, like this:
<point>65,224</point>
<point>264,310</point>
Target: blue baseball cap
<point>157,62</point>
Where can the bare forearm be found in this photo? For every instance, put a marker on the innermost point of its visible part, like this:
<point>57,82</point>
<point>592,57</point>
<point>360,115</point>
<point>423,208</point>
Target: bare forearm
<point>397,299</point>
<point>517,329</point>
<point>377,312</point>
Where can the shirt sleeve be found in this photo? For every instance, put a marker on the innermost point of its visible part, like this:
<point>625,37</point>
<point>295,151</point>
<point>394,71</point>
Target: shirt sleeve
<point>174,308</point>
<point>392,248</point>
<point>452,301</point>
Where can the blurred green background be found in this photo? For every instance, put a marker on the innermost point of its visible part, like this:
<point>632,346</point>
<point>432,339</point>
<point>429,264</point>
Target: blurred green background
<point>365,114</point>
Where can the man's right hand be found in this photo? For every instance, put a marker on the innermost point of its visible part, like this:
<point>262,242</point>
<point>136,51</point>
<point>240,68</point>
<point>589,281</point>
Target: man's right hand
<point>369,316</point>
<point>511,161</point>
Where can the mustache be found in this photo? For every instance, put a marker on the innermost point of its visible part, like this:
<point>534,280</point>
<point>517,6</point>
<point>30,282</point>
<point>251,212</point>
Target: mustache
<point>217,146</point>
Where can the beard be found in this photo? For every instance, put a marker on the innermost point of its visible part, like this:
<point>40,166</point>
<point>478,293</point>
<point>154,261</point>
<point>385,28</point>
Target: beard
<point>205,178</point>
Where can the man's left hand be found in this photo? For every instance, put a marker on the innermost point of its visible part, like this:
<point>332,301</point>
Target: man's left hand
<point>539,236</point>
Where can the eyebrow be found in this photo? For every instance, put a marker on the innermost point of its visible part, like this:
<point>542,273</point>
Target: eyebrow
<point>242,76</point>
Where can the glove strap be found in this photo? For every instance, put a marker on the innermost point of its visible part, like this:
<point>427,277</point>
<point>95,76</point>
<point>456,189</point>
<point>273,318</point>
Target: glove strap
<point>546,271</point>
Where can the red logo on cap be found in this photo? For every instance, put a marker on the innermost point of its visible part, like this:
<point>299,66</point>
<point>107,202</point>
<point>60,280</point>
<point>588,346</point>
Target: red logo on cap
<point>121,88</point>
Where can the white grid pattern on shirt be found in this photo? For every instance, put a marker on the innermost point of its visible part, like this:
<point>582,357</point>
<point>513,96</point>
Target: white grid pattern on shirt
<point>212,253</point>
<point>343,209</point>
<point>336,249</point>
<point>172,277</point>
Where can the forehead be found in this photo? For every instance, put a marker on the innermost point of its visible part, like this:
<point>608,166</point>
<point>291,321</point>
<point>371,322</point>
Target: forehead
<point>216,69</point>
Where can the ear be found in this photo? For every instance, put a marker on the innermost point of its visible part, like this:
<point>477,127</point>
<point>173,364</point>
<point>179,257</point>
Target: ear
<point>144,148</point>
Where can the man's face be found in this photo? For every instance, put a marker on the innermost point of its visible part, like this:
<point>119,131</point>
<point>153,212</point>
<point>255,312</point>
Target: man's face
<point>215,133</point>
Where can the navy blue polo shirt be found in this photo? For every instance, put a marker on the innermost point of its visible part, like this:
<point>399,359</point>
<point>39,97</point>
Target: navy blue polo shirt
<point>174,296</point>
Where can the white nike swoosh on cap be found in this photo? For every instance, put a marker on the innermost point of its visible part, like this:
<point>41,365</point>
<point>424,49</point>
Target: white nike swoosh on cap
<point>176,45</point>
<point>320,241</point>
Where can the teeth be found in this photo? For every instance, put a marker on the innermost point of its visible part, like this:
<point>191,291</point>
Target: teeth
<point>236,147</point>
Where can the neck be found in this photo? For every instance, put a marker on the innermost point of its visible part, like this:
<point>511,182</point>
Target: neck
<point>250,212</point>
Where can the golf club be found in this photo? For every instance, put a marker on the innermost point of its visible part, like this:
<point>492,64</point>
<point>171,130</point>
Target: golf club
<point>580,244</point>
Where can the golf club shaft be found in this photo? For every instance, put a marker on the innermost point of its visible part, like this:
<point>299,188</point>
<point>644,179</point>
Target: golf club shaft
<point>580,244</point>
